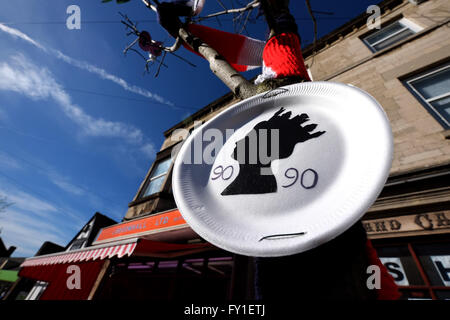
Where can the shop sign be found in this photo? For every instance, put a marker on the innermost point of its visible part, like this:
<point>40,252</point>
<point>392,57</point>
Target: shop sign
<point>395,268</point>
<point>418,222</point>
<point>442,264</point>
<point>155,223</point>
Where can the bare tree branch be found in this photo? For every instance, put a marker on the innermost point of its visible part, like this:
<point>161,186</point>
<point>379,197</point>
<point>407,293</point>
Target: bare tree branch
<point>4,204</point>
<point>221,4</point>
<point>245,22</point>
<point>252,5</point>
<point>149,5</point>
<point>240,86</point>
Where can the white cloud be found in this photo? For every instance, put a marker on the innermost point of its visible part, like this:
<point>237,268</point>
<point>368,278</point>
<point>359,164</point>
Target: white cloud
<point>7,161</point>
<point>107,76</point>
<point>57,179</point>
<point>64,184</point>
<point>19,34</point>
<point>149,150</point>
<point>21,76</point>
<point>28,202</point>
<point>28,232</point>
<point>31,221</point>
<point>103,74</point>
<point>25,201</point>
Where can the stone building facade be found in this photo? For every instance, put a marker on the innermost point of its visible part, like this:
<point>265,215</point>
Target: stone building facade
<point>420,140</point>
<point>405,65</point>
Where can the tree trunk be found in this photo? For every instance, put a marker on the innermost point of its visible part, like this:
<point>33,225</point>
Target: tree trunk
<point>240,86</point>
<point>335,270</point>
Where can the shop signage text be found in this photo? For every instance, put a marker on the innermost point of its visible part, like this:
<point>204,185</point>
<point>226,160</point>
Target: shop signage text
<point>148,224</point>
<point>418,222</point>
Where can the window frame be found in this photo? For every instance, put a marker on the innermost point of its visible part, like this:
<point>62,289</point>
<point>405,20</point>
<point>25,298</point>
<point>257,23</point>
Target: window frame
<point>411,246</point>
<point>426,103</point>
<point>149,178</point>
<point>38,289</point>
<point>407,25</point>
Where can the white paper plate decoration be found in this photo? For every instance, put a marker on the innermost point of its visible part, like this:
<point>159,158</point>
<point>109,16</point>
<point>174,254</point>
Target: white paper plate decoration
<point>334,156</point>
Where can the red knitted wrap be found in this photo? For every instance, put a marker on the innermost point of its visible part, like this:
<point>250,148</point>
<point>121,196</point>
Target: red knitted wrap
<point>283,55</point>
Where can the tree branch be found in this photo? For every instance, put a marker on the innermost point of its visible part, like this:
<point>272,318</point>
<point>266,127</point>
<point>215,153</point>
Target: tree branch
<point>252,5</point>
<point>4,204</point>
<point>240,86</point>
<point>149,5</point>
<point>272,8</point>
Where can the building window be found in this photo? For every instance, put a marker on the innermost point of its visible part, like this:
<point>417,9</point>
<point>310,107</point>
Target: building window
<point>432,88</point>
<point>77,244</point>
<point>421,270</point>
<point>37,291</point>
<point>158,176</point>
<point>390,34</point>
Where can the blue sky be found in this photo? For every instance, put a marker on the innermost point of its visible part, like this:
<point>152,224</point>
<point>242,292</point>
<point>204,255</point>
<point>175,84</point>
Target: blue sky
<point>79,122</point>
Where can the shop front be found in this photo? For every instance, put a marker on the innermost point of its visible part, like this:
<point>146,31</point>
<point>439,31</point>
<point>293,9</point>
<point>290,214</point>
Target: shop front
<point>409,226</point>
<point>54,281</point>
<point>174,263</point>
<point>155,257</point>
<point>416,251</point>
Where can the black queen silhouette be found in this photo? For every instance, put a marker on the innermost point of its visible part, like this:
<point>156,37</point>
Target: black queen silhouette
<point>256,177</point>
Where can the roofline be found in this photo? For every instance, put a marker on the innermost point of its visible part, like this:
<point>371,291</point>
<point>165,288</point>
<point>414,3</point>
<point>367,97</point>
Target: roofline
<point>216,104</point>
<point>347,28</point>
<point>94,216</point>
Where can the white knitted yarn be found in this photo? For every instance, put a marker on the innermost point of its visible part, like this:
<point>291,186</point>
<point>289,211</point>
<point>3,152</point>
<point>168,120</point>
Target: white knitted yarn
<point>267,73</point>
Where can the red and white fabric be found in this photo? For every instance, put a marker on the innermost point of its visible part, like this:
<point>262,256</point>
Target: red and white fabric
<point>280,57</point>
<point>119,250</point>
<point>243,53</point>
<point>125,248</point>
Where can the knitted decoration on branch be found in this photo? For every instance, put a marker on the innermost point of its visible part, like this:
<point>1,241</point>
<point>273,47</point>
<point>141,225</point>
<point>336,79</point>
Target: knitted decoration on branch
<point>282,57</point>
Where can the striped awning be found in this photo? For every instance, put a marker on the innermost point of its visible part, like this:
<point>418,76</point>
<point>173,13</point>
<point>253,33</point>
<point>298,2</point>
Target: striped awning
<point>89,254</point>
<point>119,249</point>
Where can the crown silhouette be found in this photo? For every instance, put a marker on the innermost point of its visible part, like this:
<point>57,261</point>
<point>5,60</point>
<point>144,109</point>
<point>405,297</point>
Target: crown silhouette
<point>291,131</point>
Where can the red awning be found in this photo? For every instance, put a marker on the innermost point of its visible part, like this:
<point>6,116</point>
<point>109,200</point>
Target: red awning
<point>56,276</point>
<point>135,247</point>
